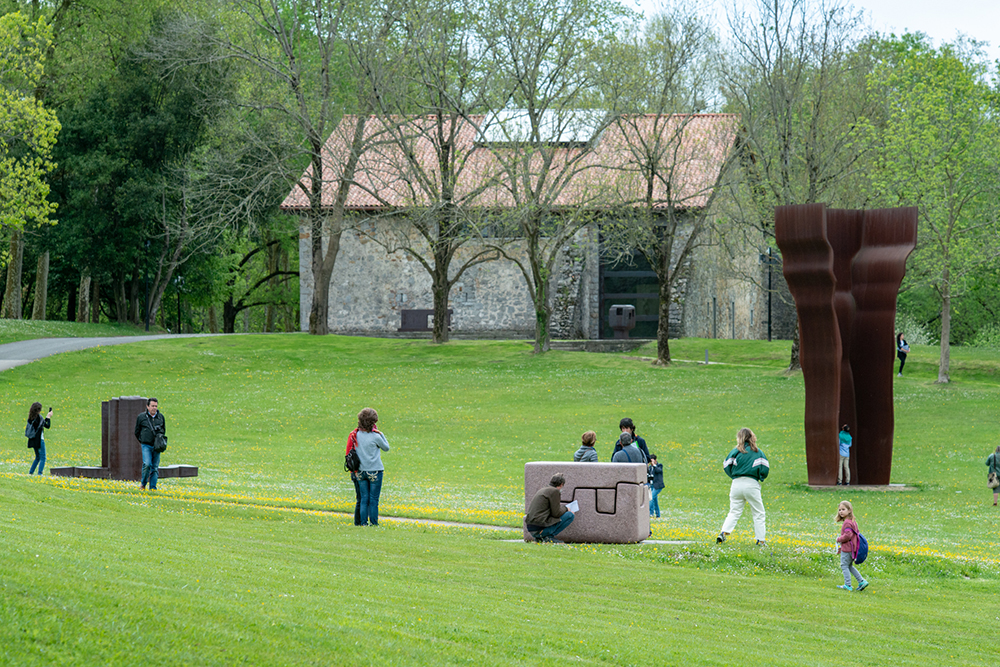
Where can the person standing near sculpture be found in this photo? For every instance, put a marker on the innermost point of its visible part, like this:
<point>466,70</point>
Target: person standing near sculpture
<point>656,483</point>
<point>35,432</point>
<point>547,516</point>
<point>586,453</point>
<point>627,452</point>
<point>993,473</point>
<point>371,444</point>
<point>150,422</point>
<point>902,349</point>
<point>844,471</point>
<point>748,467</point>
<point>627,426</point>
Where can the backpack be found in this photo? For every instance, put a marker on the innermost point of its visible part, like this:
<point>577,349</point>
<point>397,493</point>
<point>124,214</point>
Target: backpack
<point>31,431</point>
<point>862,552</point>
<point>352,462</point>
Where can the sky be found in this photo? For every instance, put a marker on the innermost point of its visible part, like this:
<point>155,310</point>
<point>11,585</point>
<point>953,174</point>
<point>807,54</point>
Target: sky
<point>941,20</point>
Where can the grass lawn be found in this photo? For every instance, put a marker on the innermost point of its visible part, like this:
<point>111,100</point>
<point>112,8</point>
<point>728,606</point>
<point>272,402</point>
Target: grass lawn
<point>246,564</point>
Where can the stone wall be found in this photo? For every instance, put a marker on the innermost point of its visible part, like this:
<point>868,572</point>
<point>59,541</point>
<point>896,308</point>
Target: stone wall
<point>371,286</point>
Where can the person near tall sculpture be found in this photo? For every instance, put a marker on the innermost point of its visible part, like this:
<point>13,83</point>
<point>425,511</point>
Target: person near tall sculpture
<point>902,349</point>
<point>747,465</point>
<point>844,469</point>
<point>371,444</point>
<point>35,432</point>
<point>150,422</point>
<point>586,453</point>
<point>993,473</point>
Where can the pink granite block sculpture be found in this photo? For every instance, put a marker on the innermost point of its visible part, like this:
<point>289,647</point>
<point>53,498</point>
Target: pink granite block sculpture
<point>614,500</point>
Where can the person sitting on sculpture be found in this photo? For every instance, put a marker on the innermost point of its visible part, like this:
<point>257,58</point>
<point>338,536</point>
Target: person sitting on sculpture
<point>629,452</point>
<point>547,516</point>
<point>586,453</point>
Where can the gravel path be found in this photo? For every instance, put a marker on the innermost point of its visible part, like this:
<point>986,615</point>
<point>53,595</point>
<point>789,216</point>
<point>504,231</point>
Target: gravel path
<point>26,351</point>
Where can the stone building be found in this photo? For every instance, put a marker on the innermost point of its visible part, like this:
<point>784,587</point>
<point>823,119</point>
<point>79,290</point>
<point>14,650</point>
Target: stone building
<point>375,286</point>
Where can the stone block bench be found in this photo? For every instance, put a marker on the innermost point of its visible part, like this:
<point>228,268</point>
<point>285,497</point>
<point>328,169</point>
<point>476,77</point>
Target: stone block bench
<point>613,497</point>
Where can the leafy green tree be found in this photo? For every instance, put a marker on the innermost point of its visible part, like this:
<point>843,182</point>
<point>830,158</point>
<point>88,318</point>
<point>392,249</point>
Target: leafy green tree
<point>939,149</point>
<point>27,135</point>
<point>541,52</point>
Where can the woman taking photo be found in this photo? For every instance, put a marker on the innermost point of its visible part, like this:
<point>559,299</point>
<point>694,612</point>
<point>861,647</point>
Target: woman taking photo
<point>371,444</point>
<point>35,432</point>
<point>748,467</point>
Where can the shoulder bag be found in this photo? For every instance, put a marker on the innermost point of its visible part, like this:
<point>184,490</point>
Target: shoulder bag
<point>159,440</point>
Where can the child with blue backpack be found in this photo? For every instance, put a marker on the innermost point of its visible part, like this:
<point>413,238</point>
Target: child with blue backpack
<point>848,542</point>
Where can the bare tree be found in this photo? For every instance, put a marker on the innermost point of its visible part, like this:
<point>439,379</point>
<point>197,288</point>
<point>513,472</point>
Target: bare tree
<point>303,65</point>
<point>795,76</point>
<point>428,110</point>
<point>544,139</point>
<point>677,161</point>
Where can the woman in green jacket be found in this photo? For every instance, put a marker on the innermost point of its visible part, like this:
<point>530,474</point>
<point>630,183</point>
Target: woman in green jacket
<point>748,467</point>
<point>993,465</point>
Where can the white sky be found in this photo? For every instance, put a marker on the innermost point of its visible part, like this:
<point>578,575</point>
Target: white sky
<point>941,20</point>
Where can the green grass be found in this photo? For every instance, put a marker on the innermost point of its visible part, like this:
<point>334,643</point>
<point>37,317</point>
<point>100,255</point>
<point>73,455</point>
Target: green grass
<point>224,569</point>
<point>15,330</point>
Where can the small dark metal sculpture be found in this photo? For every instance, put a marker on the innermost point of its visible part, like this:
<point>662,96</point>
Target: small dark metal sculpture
<point>121,453</point>
<point>844,269</point>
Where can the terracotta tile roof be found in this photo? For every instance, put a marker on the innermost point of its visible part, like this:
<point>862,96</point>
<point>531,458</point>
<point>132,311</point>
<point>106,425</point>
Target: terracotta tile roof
<point>608,175</point>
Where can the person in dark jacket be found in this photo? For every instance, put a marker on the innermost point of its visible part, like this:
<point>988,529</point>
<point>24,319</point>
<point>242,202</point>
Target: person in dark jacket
<point>547,516</point>
<point>902,349</point>
<point>38,425</point>
<point>626,426</point>
<point>748,467</point>
<point>655,472</point>
<point>150,422</point>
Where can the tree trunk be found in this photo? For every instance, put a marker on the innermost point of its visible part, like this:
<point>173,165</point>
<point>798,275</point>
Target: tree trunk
<point>95,302</point>
<point>543,317</point>
<point>440,290</point>
<point>944,364</point>
<point>663,327</point>
<point>83,299</point>
<point>12,296</point>
<point>134,311</point>
<point>319,323</point>
<point>229,313</point>
<point>793,363</point>
<point>213,320</point>
<point>41,287</point>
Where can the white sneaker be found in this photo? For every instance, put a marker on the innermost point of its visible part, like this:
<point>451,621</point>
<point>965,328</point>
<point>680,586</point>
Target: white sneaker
<point>899,375</point>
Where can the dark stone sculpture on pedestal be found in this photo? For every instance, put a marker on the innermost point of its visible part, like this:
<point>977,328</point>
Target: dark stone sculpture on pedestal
<point>121,453</point>
<point>844,269</point>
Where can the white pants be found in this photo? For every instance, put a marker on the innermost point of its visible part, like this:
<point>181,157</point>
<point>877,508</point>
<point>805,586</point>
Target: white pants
<point>745,490</point>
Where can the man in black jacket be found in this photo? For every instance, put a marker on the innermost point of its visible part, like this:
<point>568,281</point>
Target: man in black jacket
<point>147,425</point>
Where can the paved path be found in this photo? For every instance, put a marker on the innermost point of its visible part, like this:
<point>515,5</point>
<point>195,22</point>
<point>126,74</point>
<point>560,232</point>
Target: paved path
<point>26,351</point>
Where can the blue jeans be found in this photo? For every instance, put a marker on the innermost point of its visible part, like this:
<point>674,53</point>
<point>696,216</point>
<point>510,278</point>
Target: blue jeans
<point>39,459</point>
<point>357,499</point>
<point>552,531</point>
<point>370,486</point>
<point>654,504</point>
<point>150,466</point>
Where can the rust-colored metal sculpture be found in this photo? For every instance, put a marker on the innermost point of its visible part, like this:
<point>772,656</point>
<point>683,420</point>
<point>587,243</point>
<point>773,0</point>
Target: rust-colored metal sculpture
<point>844,269</point>
<point>889,237</point>
<point>121,453</point>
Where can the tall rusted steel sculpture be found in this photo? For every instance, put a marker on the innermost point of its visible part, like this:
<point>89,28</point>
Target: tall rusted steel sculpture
<point>844,269</point>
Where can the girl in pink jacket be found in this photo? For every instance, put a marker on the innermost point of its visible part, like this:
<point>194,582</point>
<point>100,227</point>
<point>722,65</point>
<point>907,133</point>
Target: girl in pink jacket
<point>848,543</point>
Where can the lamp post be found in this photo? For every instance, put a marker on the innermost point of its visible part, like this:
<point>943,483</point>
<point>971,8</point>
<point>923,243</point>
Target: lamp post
<point>768,259</point>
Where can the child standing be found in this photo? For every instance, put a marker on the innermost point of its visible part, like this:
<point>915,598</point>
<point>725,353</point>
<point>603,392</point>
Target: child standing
<point>848,543</point>
<point>844,471</point>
